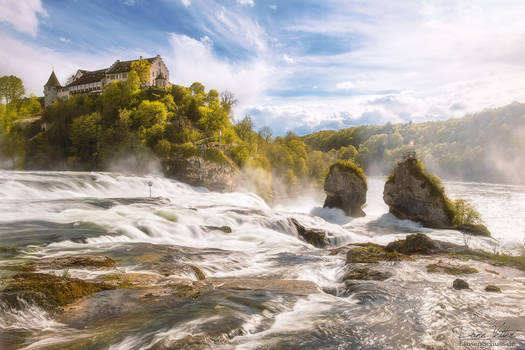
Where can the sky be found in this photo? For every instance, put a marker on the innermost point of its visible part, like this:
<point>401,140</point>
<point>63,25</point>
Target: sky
<point>294,65</point>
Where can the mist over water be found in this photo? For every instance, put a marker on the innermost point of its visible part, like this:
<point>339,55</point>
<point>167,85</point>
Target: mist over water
<point>54,213</point>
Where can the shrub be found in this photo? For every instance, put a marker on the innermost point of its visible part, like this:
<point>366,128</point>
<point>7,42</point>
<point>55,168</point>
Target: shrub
<point>215,155</point>
<point>185,150</point>
<point>351,166</point>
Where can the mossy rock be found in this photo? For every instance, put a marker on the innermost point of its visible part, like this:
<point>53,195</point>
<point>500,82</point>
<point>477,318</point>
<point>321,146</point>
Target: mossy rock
<point>350,167</point>
<point>74,261</point>
<point>50,290</point>
<point>225,229</point>
<point>493,289</point>
<point>366,274</point>
<point>345,187</point>
<point>450,269</point>
<point>460,284</point>
<point>514,261</point>
<point>415,244</point>
<point>373,254</point>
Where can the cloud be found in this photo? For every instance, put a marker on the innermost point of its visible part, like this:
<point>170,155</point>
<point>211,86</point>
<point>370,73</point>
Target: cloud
<point>129,2</point>
<point>287,59</point>
<point>273,7</point>
<point>345,85</point>
<point>33,63</point>
<point>64,40</point>
<point>250,3</point>
<point>186,2</point>
<point>193,60</point>
<point>22,14</point>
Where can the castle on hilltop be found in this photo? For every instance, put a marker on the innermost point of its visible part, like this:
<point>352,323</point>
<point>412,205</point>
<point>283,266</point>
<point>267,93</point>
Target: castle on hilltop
<point>84,82</point>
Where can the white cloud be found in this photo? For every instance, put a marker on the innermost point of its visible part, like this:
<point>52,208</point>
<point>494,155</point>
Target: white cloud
<point>22,14</point>
<point>33,64</point>
<point>129,2</point>
<point>64,40</point>
<point>273,7</point>
<point>288,59</point>
<point>250,3</point>
<point>345,85</point>
<point>186,2</point>
<point>193,60</point>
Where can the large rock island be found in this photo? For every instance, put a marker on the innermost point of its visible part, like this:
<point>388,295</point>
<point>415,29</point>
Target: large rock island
<point>345,188</point>
<point>215,175</point>
<point>412,193</point>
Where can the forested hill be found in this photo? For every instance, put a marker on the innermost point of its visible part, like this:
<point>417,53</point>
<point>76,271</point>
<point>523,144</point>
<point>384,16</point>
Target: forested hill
<point>129,126</point>
<point>487,146</point>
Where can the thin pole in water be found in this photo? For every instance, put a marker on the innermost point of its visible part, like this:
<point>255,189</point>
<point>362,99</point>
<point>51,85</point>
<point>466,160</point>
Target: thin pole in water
<point>150,183</point>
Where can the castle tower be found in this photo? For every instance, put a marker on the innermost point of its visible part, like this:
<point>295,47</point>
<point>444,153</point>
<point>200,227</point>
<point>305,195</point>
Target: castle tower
<point>51,89</point>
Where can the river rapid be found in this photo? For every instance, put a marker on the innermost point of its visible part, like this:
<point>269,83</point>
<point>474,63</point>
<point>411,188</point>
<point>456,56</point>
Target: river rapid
<point>46,214</point>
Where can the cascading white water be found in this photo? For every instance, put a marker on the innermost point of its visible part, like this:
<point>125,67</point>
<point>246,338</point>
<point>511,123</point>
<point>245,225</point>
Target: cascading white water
<point>53,213</point>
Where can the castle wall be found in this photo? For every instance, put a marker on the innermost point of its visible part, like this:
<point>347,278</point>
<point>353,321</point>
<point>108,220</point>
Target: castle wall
<point>50,96</point>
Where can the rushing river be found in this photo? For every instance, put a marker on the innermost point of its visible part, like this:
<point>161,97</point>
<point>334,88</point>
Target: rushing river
<point>45,214</point>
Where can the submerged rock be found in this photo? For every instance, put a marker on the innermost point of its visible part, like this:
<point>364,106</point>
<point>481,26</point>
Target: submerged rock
<point>296,287</point>
<point>373,254</point>
<point>225,229</point>
<point>492,288</point>
<point>73,261</point>
<point>415,244</point>
<point>49,291</point>
<point>345,188</point>
<point>366,274</point>
<point>460,284</point>
<point>411,193</point>
<point>316,237</point>
<point>450,269</point>
<point>197,171</point>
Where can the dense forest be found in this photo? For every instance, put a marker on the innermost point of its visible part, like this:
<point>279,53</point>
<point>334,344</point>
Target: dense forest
<point>95,132</point>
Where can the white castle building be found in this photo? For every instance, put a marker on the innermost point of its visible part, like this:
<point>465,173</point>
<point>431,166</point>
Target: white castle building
<point>93,81</point>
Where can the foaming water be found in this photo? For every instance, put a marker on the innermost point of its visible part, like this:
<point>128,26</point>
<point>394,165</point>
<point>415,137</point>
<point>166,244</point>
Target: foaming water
<point>47,214</point>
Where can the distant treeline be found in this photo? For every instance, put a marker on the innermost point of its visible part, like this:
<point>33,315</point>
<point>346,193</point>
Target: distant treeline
<point>487,146</point>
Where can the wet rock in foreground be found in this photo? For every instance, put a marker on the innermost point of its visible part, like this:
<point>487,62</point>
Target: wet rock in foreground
<point>450,269</point>
<point>316,237</point>
<point>73,261</point>
<point>460,284</point>
<point>415,244</point>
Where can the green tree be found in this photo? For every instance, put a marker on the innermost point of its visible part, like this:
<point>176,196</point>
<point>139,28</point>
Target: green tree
<point>84,134</point>
<point>149,113</point>
<point>133,82</point>
<point>142,67</point>
<point>11,88</point>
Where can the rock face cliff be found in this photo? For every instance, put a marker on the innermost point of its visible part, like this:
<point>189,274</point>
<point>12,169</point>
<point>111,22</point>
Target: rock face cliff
<point>413,194</point>
<point>198,171</point>
<point>345,188</point>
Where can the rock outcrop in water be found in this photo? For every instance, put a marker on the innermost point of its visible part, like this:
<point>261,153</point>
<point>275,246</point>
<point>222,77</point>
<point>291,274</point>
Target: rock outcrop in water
<point>415,244</point>
<point>345,188</point>
<point>197,171</point>
<point>316,237</point>
<point>413,194</point>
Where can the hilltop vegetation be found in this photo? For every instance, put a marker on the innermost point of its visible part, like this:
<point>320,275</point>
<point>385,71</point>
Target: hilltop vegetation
<point>93,132</point>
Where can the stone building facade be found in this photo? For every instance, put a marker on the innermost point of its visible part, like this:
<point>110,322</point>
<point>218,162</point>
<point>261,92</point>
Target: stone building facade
<point>84,81</point>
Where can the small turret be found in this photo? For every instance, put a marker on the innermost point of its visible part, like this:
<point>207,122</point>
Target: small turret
<point>51,89</point>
